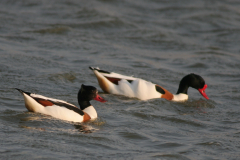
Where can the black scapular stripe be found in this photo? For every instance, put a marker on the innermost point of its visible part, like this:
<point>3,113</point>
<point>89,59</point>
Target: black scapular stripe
<point>159,89</point>
<point>75,109</point>
<point>70,107</point>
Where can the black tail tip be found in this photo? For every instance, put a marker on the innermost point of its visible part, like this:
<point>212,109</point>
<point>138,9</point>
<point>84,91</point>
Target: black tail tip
<point>94,68</point>
<point>99,70</point>
<point>21,91</point>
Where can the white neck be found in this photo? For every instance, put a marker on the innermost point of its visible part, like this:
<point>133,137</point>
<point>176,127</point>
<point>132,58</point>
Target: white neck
<point>180,97</point>
<point>90,110</point>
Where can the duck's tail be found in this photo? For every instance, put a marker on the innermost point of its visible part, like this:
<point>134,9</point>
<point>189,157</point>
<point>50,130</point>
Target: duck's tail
<point>99,70</point>
<point>21,91</point>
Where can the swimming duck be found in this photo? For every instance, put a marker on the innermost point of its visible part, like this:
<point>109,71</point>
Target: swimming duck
<point>115,83</point>
<point>61,109</point>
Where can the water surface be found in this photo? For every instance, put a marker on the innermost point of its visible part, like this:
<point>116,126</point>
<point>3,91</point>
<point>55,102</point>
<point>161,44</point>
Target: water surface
<point>47,47</point>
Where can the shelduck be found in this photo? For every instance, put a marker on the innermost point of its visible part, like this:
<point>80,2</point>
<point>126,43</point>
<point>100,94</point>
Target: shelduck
<point>115,83</point>
<point>61,109</point>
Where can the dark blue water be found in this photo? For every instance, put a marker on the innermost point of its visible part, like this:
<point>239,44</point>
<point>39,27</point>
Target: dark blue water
<point>46,47</point>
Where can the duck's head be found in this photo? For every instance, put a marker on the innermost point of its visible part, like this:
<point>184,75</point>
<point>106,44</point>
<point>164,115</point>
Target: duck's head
<point>88,93</point>
<point>194,81</point>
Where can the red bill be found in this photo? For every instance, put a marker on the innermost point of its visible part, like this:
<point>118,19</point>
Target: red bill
<point>100,99</point>
<point>202,91</point>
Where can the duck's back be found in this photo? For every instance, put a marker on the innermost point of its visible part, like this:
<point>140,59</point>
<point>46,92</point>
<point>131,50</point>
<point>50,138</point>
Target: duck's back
<point>137,88</point>
<point>53,107</point>
<point>115,83</point>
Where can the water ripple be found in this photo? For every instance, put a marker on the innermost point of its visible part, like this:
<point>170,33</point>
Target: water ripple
<point>47,47</point>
